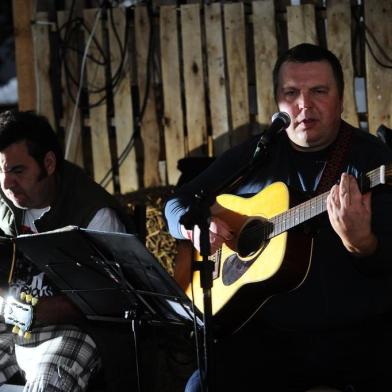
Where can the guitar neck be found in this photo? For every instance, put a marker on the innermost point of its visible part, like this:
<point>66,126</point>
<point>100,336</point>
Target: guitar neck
<point>317,205</point>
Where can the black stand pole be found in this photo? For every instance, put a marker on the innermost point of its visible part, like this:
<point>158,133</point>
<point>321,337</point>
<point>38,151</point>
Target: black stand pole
<point>206,269</point>
<point>199,214</point>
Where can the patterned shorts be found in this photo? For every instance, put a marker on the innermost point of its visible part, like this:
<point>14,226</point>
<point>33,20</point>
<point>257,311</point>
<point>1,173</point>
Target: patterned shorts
<point>55,359</point>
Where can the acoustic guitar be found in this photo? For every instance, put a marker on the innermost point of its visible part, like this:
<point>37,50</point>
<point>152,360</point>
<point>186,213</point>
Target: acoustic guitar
<point>266,257</point>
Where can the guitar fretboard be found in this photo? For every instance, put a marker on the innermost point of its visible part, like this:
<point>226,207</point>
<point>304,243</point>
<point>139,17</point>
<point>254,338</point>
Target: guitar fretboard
<point>315,206</point>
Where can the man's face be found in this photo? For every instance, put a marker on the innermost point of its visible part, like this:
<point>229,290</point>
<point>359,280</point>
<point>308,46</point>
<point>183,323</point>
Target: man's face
<point>308,92</point>
<point>22,180</point>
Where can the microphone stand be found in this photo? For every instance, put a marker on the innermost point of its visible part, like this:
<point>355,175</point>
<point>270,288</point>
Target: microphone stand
<point>199,214</point>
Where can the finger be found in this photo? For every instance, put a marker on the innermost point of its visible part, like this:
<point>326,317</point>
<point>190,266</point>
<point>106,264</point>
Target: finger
<point>344,185</point>
<point>344,190</point>
<point>334,197</point>
<point>332,209</point>
<point>214,248</point>
<point>330,204</point>
<point>221,228</point>
<point>355,193</point>
<point>367,201</point>
<point>216,242</point>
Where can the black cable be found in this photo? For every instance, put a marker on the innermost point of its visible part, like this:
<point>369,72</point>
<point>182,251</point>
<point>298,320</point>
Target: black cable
<point>199,363</point>
<point>356,41</point>
<point>120,160</point>
<point>75,25</point>
<point>365,30</point>
<point>70,79</point>
<point>149,64</point>
<point>123,48</point>
<point>135,340</point>
<point>379,47</point>
<point>377,60</point>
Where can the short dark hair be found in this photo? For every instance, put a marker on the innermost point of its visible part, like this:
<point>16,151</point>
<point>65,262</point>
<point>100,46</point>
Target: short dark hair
<point>17,126</point>
<point>304,53</point>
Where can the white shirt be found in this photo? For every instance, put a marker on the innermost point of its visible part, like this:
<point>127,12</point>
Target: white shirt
<point>105,219</point>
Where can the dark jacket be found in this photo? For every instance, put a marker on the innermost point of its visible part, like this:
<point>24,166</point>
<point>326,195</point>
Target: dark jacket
<point>77,200</point>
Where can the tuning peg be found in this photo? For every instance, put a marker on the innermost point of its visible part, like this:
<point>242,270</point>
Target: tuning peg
<point>28,298</point>
<point>22,295</point>
<point>27,335</point>
<point>34,301</point>
<point>15,330</point>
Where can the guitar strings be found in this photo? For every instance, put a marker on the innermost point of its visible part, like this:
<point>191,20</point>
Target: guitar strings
<point>307,210</point>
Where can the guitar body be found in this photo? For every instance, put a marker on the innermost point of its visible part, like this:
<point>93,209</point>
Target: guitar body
<point>242,284</point>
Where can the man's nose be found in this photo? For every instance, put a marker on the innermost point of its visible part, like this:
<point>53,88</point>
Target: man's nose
<point>7,180</point>
<point>305,100</point>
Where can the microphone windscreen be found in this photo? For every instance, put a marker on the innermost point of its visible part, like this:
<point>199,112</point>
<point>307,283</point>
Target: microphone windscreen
<point>283,116</point>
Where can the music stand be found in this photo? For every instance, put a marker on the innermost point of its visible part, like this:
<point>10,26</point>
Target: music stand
<point>109,276</point>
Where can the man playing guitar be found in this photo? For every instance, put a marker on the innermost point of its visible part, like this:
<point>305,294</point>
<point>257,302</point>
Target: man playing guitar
<point>332,325</point>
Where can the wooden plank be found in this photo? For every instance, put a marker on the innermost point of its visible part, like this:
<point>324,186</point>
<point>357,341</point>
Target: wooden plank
<point>71,116</point>
<point>40,33</point>
<point>98,114</point>
<point>149,125</point>
<point>217,78</point>
<point>301,24</point>
<point>339,42</point>
<point>24,55</point>
<point>173,120</point>
<point>122,100</point>
<point>193,79</point>
<point>378,19</point>
<point>237,69</point>
<point>266,53</point>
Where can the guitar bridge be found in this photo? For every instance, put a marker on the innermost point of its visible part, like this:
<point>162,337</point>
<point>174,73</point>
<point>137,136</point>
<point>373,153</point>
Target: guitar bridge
<point>216,259</point>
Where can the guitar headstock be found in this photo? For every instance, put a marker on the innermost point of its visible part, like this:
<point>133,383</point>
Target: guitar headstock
<point>381,175</point>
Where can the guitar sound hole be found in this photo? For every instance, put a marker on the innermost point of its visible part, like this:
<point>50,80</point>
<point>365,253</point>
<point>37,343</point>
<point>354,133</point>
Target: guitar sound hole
<point>253,236</point>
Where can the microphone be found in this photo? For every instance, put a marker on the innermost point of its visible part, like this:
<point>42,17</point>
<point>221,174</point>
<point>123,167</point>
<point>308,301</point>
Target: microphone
<point>279,121</point>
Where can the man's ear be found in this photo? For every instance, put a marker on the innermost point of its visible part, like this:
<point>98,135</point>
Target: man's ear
<point>50,162</point>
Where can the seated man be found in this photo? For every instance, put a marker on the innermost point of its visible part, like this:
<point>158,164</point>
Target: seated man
<point>332,324</point>
<point>41,191</point>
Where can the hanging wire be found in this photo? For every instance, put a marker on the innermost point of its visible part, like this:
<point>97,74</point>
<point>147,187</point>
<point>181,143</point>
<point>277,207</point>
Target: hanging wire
<point>82,69</point>
<point>122,157</point>
<point>365,31</point>
<point>123,49</point>
<point>74,25</point>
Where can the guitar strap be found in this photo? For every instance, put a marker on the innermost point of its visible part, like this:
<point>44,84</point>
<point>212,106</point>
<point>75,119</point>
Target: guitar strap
<point>336,159</point>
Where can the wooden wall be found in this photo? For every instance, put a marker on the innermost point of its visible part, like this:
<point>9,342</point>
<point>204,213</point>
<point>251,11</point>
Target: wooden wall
<point>167,81</point>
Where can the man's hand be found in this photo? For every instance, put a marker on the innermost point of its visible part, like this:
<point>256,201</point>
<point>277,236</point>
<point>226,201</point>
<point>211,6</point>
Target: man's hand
<point>350,215</point>
<point>219,233</point>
